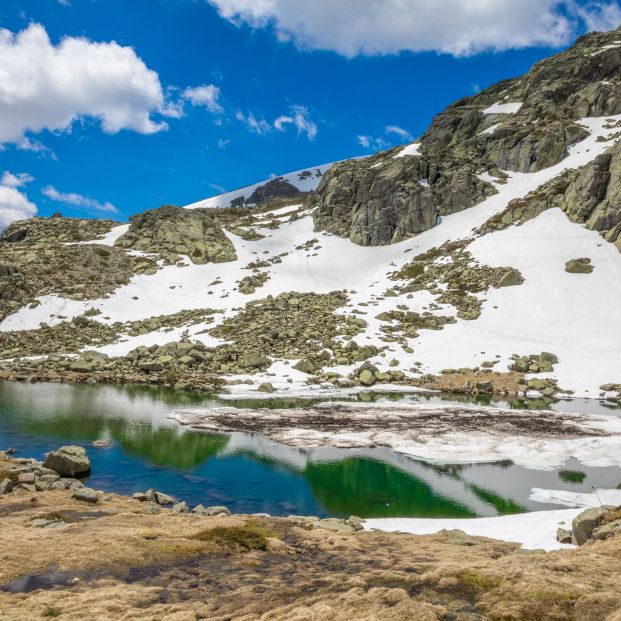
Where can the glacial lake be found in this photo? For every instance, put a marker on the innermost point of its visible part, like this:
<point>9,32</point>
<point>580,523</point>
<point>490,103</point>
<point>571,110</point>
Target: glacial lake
<point>251,474</point>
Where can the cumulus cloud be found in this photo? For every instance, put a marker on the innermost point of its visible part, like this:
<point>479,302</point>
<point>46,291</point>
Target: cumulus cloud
<point>15,181</point>
<point>207,95</point>
<point>458,27</point>
<point>77,200</point>
<point>14,206</point>
<point>299,118</point>
<point>46,86</point>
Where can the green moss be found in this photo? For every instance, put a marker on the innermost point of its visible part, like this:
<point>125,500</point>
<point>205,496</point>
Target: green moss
<point>478,582</point>
<point>235,538</point>
<point>50,611</point>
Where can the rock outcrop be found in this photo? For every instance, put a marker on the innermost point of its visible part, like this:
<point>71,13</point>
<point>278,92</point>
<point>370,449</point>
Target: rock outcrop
<point>524,124</point>
<point>172,231</point>
<point>590,195</point>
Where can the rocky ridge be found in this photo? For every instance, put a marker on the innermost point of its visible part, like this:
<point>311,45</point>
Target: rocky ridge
<point>525,125</point>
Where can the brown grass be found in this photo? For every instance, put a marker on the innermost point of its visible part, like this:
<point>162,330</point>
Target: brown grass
<point>130,565</point>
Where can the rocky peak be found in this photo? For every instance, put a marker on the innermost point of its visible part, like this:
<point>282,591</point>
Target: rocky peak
<point>523,124</point>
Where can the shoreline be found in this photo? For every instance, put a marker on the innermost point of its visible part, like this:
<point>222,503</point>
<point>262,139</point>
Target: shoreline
<point>214,386</point>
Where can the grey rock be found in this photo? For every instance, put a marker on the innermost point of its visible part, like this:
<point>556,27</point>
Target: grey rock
<point>181,507</point>
<point>68,461</point>
<point>86,494</point>
<point>163,499</point>
<point>584,524</point>
<point>607,531</point>
<point>211,511</point>
<point>563,535</point>
<point>579,266</point>
<point>6,486</point>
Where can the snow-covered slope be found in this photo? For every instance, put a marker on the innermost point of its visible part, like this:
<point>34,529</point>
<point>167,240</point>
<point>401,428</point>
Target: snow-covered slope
<point>305,180</point>
<point>574,316</point>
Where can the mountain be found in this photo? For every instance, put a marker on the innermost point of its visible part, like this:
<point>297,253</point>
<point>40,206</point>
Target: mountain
<point>484,257</point>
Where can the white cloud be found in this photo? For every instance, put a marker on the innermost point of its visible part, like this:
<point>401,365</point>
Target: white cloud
<point>207,95</point>
<point>600,16</point>
<point>46,86</point>
<point>77,200</point>
<point>458,27</point>
<point>223,143</point>
<point>14,206</point>
<point>399,131</point>
<point>15,181</point>
<point>372,142</point>
<point>255,125</point>
<point>299,118</point>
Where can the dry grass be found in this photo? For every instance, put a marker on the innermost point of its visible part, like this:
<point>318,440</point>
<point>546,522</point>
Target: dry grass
<point>128,565</point>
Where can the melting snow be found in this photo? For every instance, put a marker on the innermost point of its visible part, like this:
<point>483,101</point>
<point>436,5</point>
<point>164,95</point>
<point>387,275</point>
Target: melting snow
<point>575,316</point>
<point>536,530</point>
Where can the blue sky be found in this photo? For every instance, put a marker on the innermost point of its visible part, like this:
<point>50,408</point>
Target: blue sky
<point>284,91</point>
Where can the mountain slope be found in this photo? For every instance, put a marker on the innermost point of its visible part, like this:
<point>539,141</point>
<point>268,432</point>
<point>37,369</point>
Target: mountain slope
<point>485,257</point>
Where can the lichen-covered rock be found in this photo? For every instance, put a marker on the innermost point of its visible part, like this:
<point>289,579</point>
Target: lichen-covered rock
<point>375,206</point>
<point>171,231</point>
<point>579,266</point>
<point>585,523</point>
<point>68,461</point>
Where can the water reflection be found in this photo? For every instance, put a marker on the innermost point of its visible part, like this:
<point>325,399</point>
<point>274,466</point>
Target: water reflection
<point>250,473</point>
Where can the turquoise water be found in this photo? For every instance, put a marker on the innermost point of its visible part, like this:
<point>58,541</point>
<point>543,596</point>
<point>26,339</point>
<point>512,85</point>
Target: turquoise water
<point>250,474</point>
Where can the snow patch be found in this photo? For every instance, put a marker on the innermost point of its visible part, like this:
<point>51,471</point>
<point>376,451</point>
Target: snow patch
<point>575,499</point>
<point>503,108</point>
<point>534,531</point>
<point>411,149</point>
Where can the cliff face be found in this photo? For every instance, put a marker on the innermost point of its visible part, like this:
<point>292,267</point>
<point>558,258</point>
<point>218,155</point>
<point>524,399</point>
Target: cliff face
<point>524,125</point>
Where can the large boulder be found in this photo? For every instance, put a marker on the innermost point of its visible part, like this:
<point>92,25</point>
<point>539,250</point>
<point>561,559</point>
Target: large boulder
<point>585,523</point>
<point>68,461</point>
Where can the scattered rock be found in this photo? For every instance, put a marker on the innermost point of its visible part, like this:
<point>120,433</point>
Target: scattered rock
<point>579,266</point>
<point>211,511</point>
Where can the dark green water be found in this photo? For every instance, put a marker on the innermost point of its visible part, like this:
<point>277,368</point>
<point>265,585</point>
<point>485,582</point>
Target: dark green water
<point>251,474</point>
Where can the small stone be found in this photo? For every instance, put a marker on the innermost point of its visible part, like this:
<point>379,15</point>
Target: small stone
<point>210,511</point>
<point>163,499</point>
<point>579,266</point>
<point>104,443</point>
<point>26,477</point>
<point>181,507</point>
<point>266,387</point>
<point>563,535</point>
<point>6,485</point>
<point>86,494</point>
<point>40,523</point>
<point>153,508</point>
<point>366,377</point>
